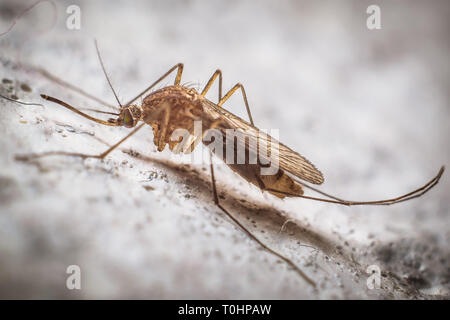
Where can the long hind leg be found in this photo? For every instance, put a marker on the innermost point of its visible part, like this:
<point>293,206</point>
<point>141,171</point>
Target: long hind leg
<point>75,154</point>
<point>269,250</point>
<point>331,198</point>
<point>216,74</point>
<point>405,197</point>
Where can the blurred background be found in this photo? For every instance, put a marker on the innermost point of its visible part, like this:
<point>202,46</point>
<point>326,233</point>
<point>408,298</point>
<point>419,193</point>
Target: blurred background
<point>369,107</point>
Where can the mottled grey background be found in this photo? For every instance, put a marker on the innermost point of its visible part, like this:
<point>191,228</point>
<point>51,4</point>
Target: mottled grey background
<point>369,108</point>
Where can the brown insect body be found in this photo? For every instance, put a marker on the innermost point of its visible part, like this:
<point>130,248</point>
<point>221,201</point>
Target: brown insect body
<point>187,105</point>
<point>184,107</point>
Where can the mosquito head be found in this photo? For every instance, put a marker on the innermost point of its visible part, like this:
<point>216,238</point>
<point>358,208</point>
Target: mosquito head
<point>129,116</point>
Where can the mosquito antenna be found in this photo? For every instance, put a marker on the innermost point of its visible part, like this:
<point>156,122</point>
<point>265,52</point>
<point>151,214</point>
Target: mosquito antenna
<point>408,196</point>
<point>65,84</point>
<point>106,75</point>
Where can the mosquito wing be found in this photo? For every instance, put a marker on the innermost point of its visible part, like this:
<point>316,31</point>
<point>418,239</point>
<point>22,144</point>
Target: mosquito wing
<point>288,159</point>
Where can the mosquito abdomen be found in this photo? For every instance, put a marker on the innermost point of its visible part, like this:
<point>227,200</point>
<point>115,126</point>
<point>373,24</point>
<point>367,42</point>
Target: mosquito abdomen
<point>279,184</point>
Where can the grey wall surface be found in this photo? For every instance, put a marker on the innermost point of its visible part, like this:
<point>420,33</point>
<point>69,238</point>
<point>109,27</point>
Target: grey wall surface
<point>370,108</point>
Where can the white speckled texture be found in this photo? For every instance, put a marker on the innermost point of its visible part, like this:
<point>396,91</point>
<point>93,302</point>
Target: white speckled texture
<point>369,108</point>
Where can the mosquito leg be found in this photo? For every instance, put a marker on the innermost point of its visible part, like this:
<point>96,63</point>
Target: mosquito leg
<point>67,85</point>
<point>102,155</point>
<point>230,93</point>
<point>177,81</point>
<point>288,261</point>
<point>332,199</point>
<point>61,82</point>
<point>197,139</point>
<point>164,124</point>
<point>81,155</point>
<point>408,196</point>
<point>218,73</point>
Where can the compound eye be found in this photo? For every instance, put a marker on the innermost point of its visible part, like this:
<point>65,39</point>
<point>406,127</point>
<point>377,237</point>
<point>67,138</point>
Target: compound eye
<point>127,119</point>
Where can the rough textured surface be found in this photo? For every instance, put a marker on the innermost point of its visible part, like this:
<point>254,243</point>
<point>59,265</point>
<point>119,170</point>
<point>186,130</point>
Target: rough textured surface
<point>369,108</point>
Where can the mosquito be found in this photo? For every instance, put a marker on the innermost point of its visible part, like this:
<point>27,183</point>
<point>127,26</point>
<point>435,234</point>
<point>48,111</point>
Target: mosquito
<point>177,106</point>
